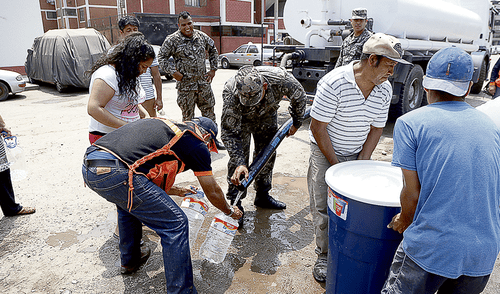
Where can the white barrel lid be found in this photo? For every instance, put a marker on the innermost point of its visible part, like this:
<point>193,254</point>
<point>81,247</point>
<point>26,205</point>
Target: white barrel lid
<point>367,181</point>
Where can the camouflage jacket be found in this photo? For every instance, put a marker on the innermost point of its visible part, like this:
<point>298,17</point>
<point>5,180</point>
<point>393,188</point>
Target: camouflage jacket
<point>189,57</point>
<point>352,47</point>
<point>234,115</point>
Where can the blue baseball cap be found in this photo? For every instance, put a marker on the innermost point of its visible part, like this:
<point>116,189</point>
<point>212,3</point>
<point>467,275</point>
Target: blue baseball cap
<point>210,127</point>
<point>450,70</point>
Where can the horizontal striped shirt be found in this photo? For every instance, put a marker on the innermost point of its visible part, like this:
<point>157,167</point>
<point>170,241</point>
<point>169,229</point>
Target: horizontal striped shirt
<point>147,81</point>
<point>340,103</point>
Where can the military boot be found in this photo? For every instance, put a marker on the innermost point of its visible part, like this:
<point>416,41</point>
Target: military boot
<point>264,200</point>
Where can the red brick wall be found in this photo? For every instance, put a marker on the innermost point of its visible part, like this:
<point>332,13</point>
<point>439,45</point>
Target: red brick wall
<point>156,6</point>
<point>238,11</point>
<point>103,2</point>
<point>133,6</point>
<point>70,3</point>
<point>46,6</point>
<point>231,43</point>
<point>73,23</point>
<point>48,24</point>
<point>281,24</point>
<point>99,12</point>
<point>212,8</point>
<point>258,12</point>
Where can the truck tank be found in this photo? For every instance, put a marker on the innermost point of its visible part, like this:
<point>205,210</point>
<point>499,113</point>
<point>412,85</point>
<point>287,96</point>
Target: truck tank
<point>423,27</point>
<point>452,21</point>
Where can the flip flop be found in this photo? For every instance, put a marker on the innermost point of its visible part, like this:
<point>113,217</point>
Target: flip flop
<point>26,210</point>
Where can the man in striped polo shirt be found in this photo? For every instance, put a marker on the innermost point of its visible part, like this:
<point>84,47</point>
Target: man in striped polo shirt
<point>347,118</point>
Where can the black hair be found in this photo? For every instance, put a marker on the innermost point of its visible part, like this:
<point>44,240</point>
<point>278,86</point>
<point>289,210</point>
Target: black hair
<point>183,15</point>
<point>365,56</point>
<point>128,20</point>
<point>125,57</point>
<point>445,96</point>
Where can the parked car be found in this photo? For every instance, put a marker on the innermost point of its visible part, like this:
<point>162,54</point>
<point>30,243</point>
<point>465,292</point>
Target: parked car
<point>10,82</point>
<point>248,54</point>
<point>170,60</point>
<point>62,57</point>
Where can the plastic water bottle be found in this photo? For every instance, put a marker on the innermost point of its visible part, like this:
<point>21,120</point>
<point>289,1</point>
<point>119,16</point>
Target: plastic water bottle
<point>195,208</point>
<point>15,156</point>
<point>219,237</point>
<point>161,113</point>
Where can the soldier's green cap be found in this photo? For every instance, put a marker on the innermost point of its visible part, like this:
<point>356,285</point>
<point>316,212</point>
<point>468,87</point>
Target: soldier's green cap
<point>249,84</point>
<point>359,13</point>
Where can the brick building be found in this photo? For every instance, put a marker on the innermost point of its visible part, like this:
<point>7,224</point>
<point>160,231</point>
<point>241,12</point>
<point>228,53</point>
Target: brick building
<point>229,22</point>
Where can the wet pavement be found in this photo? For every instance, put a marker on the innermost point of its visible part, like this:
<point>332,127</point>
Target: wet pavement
<point>67,245</point>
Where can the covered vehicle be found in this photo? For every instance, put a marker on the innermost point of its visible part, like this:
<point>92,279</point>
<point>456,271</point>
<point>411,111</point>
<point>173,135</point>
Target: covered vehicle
<point>62,57</point>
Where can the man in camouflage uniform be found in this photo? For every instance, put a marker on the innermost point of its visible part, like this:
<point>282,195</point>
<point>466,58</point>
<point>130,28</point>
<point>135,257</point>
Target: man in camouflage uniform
<point>251,100</point>
<point>352,46</point>
<point>188,48</point>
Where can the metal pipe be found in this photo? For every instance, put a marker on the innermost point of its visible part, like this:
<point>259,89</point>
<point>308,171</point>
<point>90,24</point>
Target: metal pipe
<point>263,157</point>
<point>309,34</point>
<point>285,59</point>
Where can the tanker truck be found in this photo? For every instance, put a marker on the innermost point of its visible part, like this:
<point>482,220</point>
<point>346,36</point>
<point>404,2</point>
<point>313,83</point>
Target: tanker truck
<point>422,27</point>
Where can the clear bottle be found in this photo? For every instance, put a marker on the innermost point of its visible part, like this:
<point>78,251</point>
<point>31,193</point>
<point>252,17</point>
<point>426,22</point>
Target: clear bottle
<point>15,156</point>
<point>195,208</point>
<point>219,237</point>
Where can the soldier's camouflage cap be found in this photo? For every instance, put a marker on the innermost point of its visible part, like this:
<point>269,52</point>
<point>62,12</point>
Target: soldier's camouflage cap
<point>249,84</point>
<point>359,13</point>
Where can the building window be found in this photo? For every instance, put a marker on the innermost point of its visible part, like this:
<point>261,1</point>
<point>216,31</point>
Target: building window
<point>69,12</point>
<point>50,15</point>
<point>81,14</point>
<point>196,3</point>
<point>238,31</point>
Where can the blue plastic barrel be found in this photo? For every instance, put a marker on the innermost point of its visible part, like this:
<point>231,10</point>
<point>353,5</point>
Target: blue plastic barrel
<point>363,197</point>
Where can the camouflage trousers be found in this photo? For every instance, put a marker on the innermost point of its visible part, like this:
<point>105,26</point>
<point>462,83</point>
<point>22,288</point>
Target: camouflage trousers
<point>262,131</point>
<point>203,98</point>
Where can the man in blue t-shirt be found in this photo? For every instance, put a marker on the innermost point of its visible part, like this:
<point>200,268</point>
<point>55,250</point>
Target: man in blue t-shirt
<point>449,153</point>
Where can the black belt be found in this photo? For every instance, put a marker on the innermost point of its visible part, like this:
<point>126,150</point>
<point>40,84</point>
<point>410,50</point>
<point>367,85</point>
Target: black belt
<point>101,162</point>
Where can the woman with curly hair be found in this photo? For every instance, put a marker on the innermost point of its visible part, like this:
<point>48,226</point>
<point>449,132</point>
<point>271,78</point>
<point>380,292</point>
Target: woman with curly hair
<point>115,92</point>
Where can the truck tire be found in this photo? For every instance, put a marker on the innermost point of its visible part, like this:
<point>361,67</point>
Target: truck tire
<point>477,87</point>
<point>257,63</point>
<point>412,93</point>
<point>225,63</point>
<point>4,91</point>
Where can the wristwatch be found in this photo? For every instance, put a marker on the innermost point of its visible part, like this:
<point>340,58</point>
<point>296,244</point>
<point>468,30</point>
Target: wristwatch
<point>231,211</point>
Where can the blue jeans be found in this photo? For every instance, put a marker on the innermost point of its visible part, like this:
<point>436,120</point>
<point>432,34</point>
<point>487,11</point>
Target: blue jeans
<point>152,207</point>
<point>407,277</point>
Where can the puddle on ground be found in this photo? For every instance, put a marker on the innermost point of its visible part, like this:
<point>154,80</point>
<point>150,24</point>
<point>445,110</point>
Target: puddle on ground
<point>63,239</point>
<point>255,255</point>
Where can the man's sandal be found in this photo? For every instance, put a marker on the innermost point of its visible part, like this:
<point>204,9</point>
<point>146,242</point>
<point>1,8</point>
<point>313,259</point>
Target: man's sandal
<point>26,210</point>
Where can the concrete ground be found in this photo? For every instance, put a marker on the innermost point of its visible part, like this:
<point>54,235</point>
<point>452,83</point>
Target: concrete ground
<point>67,245</point>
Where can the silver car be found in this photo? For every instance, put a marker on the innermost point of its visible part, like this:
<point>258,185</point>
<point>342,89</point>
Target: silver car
<point>10,82</point>
<point>247,54</point>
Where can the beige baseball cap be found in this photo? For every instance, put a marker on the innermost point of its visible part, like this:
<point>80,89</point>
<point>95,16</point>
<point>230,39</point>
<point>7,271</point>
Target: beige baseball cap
<point>385,45</point>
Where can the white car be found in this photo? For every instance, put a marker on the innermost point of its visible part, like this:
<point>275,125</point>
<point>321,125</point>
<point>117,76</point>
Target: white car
<point>247,54</point>
<point>10,82</point>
